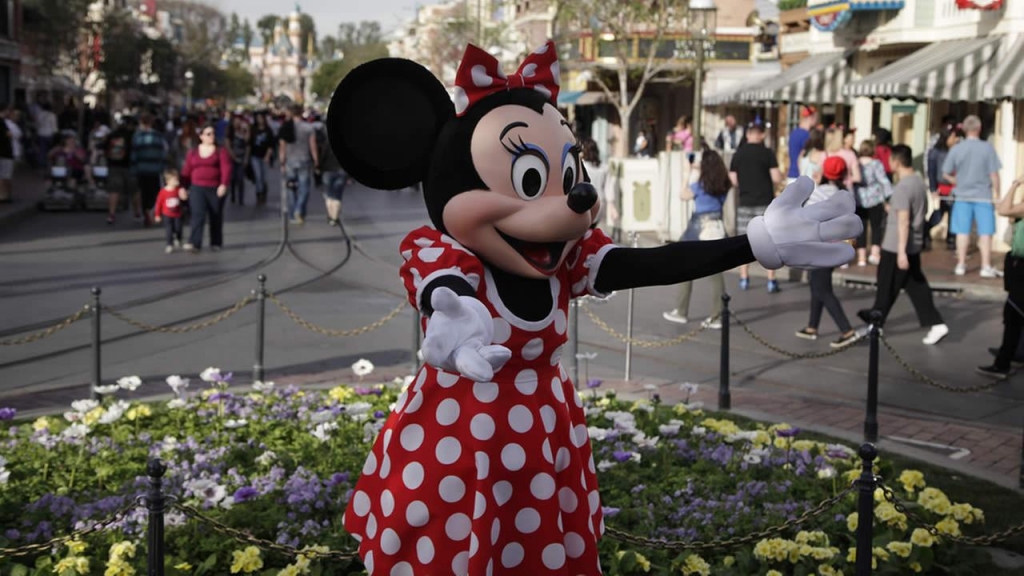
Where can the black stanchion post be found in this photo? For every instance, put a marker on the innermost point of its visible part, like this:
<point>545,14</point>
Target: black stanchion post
<point>866,485</point>
<point>871,416</point>
<point>155,506</point>
<point>724,397</point>
<point>261,305</point>
<point>96,375</point>
<point>1020,480</point>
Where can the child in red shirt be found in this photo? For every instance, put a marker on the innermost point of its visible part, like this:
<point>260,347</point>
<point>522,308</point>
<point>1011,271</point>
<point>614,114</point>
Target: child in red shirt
<point>170,208</point>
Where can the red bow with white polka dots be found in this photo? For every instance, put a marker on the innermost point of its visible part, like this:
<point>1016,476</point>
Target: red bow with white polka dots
<point>480,76</point>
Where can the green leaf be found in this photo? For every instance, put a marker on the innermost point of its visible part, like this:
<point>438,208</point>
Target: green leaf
<point>19,570</point>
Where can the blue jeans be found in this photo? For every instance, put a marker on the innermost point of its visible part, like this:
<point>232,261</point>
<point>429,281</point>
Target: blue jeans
<point>259,172</point>
<point>298,198</point>
<point>238,182</point>
<point>335,182</point>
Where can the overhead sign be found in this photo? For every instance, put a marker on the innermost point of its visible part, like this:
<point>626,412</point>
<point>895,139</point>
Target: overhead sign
<point>979,4</point>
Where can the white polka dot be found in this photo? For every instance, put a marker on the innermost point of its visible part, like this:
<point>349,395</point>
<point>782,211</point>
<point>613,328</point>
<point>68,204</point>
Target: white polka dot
<point>448,450</point>
<point>520,419</point>
<point>513,457</point>
<point>412,476</point>
<point>387,438</point>
<point>562,373</point>
<point>446,379</point>
<point>474,545</point>
<point>406,254</point>
<point>556,389</point>
<point>502,331</point>
<point>479,506</point>
<point>600,530</point>
<point>371,526</point>
<point>579,435</point>
<point>457,527</point>
<point>567,500</point>
<point>368,562</point>
<point>460,99</point>
<point>559,319</point>
<point>420,379</point>
<point>529,71</point>
<point>452,489</point>
<point>415,403</point>
<point>411,437</point>
<point>562,459</point>
<point>553,556</point>
<point>385,467</point>
<point>583,480</point>
<point>460,564</point>
<point>495,530</point>
<point>541,50</point>
<point>547,414</point>
<point>402,569</point>
<point>502,492</point>
<point>577,399</point>
<point>387,503</point>
<point>371,464</point>
<point>547,94</point>
<point>555,71</point>
<point>490,568</point>
<point>593,469</point>
<point>511,555</point>
<point>574,545</point>
<point>556,356</point>
<point>546,451</point>
<point>542,486</point>
<point>594,501</point>
<point>390,542</point>
<point>483,465</point>
<point>430,254</point>
<point>481,79</point>
<point>527,521</point>
<point>526,381</point>
<point>361,503</point>
<point>561,527</point>
<point>532,349</point>
<point>485,392</point>
<point>482,427</point>
<point>400,403</point>
<point>447,412</point>
<point>416,514</point>
<point>424,550</point>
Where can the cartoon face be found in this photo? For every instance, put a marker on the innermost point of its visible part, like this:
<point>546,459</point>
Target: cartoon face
<point>535,203</point>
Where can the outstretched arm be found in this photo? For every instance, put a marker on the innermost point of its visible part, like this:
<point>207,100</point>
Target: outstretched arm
<point>624,268</point>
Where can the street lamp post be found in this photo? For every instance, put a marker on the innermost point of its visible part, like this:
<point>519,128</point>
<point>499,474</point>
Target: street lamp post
<point>190,79</point>
<point>702,19</point>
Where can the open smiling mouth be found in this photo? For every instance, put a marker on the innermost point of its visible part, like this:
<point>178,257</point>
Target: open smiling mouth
<point>544,256</point>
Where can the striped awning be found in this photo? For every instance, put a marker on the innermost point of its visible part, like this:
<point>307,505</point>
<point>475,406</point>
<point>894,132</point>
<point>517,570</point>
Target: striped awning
<point>1007,80</point>
<point>954,71</point>
<point>731,95</point>
<point>823,7</point>
<point>817,79</point>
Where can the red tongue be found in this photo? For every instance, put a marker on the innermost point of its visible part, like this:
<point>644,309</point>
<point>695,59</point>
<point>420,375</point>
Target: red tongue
<point>538,254</point>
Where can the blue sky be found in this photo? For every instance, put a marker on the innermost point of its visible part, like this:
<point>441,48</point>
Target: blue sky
<point>327,13</point>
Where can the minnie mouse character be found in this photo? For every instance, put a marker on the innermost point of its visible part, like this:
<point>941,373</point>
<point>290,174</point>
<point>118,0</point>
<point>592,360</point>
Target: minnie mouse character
<point>484,466</point>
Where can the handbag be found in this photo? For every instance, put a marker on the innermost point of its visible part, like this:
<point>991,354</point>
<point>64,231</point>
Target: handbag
<point>711,229</point>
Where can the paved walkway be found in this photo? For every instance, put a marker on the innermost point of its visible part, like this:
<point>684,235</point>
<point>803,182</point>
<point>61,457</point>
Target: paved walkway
<point>28,188</point>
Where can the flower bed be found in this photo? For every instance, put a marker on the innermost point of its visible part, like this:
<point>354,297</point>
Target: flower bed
<point>280,462</point>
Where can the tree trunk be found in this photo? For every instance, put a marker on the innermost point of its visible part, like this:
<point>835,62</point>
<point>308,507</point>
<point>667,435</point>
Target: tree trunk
<point>624,145</point>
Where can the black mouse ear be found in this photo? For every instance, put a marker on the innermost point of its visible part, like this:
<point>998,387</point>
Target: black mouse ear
<point>384,120</point>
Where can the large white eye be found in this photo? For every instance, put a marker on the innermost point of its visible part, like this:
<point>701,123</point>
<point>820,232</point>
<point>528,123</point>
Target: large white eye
<point>529,176</point>
<point>570,175</point>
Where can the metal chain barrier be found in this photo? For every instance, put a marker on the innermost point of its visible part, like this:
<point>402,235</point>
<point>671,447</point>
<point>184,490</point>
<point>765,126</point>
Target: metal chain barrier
<point>77,534</point>
<point>677,545</point>
<point>921,377</point>
<point>182,329</point>
<point>331,332</point>
<point>49,331</point>
<point>647,343</point>
<point>266,545</point>
<point>986,540</point>
<point>787,353</point>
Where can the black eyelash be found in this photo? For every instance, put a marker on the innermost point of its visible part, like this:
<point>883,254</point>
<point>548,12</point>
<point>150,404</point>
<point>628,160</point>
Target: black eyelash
<point>516,149</point>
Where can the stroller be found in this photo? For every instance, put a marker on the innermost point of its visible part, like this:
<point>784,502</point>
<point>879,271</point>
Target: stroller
<point>97,198</point>
<point>64,192</point>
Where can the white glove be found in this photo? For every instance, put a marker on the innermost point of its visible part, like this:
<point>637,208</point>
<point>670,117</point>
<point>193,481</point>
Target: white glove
<point>798,236</point>
<point>459,335</point>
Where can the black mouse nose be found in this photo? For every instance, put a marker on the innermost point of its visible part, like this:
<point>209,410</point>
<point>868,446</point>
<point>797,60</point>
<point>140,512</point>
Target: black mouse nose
<point>582,197</point>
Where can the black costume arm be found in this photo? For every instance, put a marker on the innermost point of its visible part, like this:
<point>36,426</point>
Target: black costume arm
<point>455,283</point>
<point>624,268</point>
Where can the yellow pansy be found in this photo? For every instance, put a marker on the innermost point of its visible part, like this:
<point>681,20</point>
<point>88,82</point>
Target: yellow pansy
<point>723,427</point>
<point>64,565</point>
<point>851,475</point>
<point>773,573</point>
<point>826,570</point>
<point>184,567</point>
<point>912,480</point>
<point>605,402</point>
<point>880,553</point>
<point>246,561</point>
<point>936,501</point>
<point>340,394</point>
<point>762,438</point>
<point>949,527</point>
<point>816,552</point>
<point>118,567</point>
<point>41,423</point>
<point>643,562</point>
<point>76,547</point>
<point>901,549</point>
<point>776,549</point>
<point>289,570</point>
<point>121,549</point>
<point>138,412</point>
<point>851,557</point>
<point>781,443</point>
<point>804,445</point>
<point>921,537</point>
<point>696,565</point>
<point>728,561</point>
<point>886,512</point>
<point>851,522</point>
<point>813,537</point>
<point>93,416</point>
<point>915,566</point>
<point>205,394</point>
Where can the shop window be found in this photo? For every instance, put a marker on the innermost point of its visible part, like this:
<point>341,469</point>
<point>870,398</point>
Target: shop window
<point>5,86</point>
<point>6,18</point>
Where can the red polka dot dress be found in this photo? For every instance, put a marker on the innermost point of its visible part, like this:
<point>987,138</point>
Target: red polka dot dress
<point>485,478</point>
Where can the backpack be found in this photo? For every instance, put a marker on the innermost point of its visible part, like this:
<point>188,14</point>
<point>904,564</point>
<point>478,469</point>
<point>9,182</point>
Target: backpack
<point>117,149</point>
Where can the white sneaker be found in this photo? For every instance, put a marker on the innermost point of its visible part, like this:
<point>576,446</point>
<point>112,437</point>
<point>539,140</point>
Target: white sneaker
<point>874,260</point>
<point>935,334</point>
<point>990,272</point>
<point>168,249</point>
<point>712,324</point>
<point>960,270</point>
<point>674,316</point>
<point>177,243</point>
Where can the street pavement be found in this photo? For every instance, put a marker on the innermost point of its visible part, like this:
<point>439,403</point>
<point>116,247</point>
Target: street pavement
<point>51,261</point>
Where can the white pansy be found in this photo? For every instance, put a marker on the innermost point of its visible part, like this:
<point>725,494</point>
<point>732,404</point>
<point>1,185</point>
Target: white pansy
<point>699,431</point>
<point>5,475</point>
<point>668,429</point>
<point>84,406</point>
<point>129,383</point>
<point>72,416</point>
<point>177,403</point>
<point>592,411</point>
<point>689,387</point>
<point>357,408</point>
<point>747,435</point>
<point>113,414</point>
<point>322,432</point>
<point>322,416</point>
<point>3,462</point>
<point>106,390</point>
<point>169,443</point>
<point>605,465</point>
<point>362,367</point>
<point>751,458</point>
<point>826,472</point>
<point>645,407</point>
<point>207,490</point>
<point>232,424</point>
<point>263,386</point>
<point>266,458</point>
<point>598,434</point>
<point>371,429</point>
<point>635,457</point>
<point>76,431</point>
<point>177,383</point>
<point>642,441</point>
<point>227,502</point>
<point>211,374</point>
<point>850,452</point>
